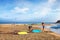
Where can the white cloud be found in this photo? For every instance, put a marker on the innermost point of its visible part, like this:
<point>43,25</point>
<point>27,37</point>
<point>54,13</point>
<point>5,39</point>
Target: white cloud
<point>57,17</point>
<point>58,10</point>
<point>41,13</point>
<point>20,10</point>
<point>57,13</point>
<point>37,11</point>
<point>37,14</point>
<point>6,16</point>
<point>45,11</point>
<point>47,8</point>
<point>51,1</point>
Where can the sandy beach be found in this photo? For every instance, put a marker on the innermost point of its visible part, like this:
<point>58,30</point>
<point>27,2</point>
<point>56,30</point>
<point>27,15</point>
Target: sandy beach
<point>5,29</point>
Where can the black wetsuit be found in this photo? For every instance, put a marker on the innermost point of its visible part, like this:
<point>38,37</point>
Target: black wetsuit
<point>43,27</point>
<point>30,27</point>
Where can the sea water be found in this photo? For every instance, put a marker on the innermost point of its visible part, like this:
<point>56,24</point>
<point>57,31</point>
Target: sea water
<point>55,28</point>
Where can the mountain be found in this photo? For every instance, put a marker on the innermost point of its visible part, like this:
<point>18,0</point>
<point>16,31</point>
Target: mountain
<point>58,21</point>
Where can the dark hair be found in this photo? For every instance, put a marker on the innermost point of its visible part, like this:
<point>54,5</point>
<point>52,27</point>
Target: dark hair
<point>42,22</point>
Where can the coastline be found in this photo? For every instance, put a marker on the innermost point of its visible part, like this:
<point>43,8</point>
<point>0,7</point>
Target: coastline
<point>47,34</point>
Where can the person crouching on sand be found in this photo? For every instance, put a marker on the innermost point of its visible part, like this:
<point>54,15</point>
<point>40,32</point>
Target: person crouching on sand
<point>43,25</point>
<point>30,28</point>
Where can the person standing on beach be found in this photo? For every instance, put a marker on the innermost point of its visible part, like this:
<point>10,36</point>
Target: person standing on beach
<point>43,25</point>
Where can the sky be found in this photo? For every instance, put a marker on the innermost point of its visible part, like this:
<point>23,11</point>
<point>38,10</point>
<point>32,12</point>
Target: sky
<point>29,10</point>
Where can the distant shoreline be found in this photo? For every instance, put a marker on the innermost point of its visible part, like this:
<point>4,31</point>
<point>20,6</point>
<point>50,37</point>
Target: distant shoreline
<point>26,22</point>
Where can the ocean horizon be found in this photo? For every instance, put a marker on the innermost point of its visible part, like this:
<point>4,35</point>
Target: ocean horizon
<point>26,22</point>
